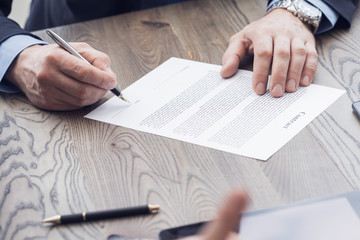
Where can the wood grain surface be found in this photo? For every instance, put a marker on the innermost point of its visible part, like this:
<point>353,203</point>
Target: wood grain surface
<point>60,163</point>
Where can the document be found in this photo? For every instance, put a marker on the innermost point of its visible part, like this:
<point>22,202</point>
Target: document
<point>189,101</point>
<point>331,220</point>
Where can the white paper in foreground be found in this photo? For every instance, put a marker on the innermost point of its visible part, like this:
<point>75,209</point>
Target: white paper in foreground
<point>328,220</point>
<point>189,101</point>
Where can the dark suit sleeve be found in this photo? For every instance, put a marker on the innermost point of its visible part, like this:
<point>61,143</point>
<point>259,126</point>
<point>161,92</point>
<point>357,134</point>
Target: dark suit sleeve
<point>8,27</point>
<point>345,8</point>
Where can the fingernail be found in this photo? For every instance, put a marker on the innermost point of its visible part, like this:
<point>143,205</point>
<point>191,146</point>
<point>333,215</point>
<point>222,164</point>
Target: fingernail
<point>222,74</point>
<point>225,72</point>
<point>260,88</point>
<point>277,90</point>
<point>291,85</point>
<point>306,80</point>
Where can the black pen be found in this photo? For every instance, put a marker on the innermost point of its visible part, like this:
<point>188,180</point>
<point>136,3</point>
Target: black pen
<point>101,215</point>
<point>65,45</point>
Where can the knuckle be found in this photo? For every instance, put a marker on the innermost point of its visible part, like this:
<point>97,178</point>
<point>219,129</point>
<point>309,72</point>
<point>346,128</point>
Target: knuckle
<point>103,83</point>
<point>261,75</point>
<point>283,53</point>
<point>104,56</point>
<point>294,73</point>
<point>41,75</point>
<point>278,76</point>
<point>85,73</point>
<point>236,37</point>
<point>76,68</point>
<point>264,53</point>
<point>81,72</point>
<point>313,54</point>
<point>51,57</point>
<point>83,45</point>
<point>232,38</point>
<point>311,67</point>
<point>301,51</point>
<point>82,93</point>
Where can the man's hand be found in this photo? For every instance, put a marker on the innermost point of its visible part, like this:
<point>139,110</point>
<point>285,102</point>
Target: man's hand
<point>54,79</point>
<point>228,220</point>
<point>279,40</point>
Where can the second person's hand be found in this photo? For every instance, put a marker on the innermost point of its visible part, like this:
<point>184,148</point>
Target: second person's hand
<point>281,41</point>
<point>228,219</point>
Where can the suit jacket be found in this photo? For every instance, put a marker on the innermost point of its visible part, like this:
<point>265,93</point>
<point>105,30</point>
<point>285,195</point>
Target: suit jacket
<point>49,13</point>
<point>345,8</point>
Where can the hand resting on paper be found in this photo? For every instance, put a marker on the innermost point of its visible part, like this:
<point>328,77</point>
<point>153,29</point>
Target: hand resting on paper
<point>280,41</point>
<point>53,79</point>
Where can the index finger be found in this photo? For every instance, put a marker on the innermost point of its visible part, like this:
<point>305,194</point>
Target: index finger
<point>233,55</point>
<point>94,56</point>
<point>80,70</point>
<point>228,217</point>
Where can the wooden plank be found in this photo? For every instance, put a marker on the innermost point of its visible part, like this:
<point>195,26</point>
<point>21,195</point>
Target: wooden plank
<point>200,29</point>
<point>338,129</point>
<point>39,175</point>
<point>240,13</point>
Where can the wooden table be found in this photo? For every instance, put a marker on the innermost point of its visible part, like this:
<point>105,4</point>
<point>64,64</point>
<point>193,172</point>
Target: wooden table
<point>60,162</point>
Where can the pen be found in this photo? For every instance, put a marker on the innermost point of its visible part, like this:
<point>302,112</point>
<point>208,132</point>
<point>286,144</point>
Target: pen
<point>65,45</point>
<point>101,215</point>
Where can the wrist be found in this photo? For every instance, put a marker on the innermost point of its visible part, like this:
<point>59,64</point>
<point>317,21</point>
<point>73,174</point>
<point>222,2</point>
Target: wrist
<point>288,17</point>
<point>20,68</point>
<point>301,9</point>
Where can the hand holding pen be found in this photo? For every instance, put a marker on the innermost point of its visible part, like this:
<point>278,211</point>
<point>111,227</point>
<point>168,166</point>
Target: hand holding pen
<point>53,79</point>
<point>66,46</point>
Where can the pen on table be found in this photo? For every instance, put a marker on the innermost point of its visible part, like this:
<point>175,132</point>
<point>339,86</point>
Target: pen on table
<point>102,215</point>
<point>65,45</point>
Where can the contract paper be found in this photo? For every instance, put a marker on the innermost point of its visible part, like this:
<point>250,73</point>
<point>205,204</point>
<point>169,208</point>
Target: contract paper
<point>189,101</point>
